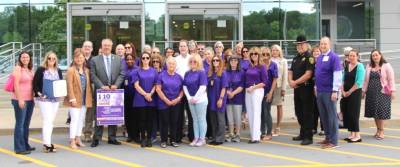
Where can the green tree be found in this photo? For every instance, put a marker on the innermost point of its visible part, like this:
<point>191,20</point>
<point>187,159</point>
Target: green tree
<point>11,37</point>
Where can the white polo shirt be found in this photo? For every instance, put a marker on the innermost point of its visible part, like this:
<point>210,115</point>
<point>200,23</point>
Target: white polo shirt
<point>182,64</point>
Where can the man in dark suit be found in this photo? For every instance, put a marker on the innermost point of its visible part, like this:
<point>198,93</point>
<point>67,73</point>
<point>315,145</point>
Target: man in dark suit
<point>107,73</point>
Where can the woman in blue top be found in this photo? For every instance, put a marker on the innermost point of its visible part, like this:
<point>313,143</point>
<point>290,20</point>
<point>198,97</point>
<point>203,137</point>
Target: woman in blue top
<point>255,79</point>
<point>169,89</point>
<point>270,85</point>
<point>194,87</point>
<point>235,97</point>
<point>131,119</point>
<point>144,80</point>
<point>216,91</point>
<point>353,79</point>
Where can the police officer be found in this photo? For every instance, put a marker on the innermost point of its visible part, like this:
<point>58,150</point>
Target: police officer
<point>300,79</point>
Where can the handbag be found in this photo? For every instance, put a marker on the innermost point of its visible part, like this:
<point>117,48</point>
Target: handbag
<point>9,86</point>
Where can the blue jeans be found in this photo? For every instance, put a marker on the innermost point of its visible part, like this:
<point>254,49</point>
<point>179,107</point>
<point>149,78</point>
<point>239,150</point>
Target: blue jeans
<point>199,112</point>
<point>22,120</point>
<point>266,118</point>
<point>328,115</point>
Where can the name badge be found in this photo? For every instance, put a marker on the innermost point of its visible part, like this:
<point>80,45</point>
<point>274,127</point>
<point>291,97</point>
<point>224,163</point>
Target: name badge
<point>126,82</point>
<point>326,58</point>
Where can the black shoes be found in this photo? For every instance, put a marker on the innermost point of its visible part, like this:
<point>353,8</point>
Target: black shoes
<point>114,142</point>
<point>146,143</point>
<point>297,138</point>
<point>253,141</point>
<point>149,143</point>
<point>306,142</point>
<point>129,140</point>
<point>215,143</point>
<point>95,143</point>
<point>23,152</point>
<point>49,149</point>
<point>174,144</point>
<point>31,149</point>
<point>163,144</point>
<point>143,143</point>
<point>355,141</point>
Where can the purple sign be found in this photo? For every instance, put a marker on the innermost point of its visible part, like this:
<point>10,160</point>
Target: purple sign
<point>110,107</point>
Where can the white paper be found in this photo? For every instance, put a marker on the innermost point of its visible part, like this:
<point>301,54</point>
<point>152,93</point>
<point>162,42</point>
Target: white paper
<point>221,23</point>
<point>60,88</point>
<point>326,58</point>
<point>123,25</point>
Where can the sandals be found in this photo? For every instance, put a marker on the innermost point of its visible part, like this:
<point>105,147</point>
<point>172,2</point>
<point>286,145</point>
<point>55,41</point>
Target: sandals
<point>48,149</point>
<point>276,131</point>
<point>379,135</point>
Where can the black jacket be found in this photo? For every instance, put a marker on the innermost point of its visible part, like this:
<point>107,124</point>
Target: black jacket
<point>38,80</point>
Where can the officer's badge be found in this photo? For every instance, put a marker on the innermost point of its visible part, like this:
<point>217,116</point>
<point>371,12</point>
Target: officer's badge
<point>311,60</point>
<point>303,59</point>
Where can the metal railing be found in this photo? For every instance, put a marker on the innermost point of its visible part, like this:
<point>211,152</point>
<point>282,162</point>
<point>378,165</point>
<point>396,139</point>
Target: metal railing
<point>9,53</point>
<point>288,46</point>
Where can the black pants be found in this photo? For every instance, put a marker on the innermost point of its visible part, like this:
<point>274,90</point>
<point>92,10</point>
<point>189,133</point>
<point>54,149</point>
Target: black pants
<point>169,122</point>
<point>351,111</point>
<point>181,121</point>
<point>303,106</point>
<point>217,120</point>
<point>131,118</point>
<point>209,132</point>
<point>316,116</point>
<point>146,116</point>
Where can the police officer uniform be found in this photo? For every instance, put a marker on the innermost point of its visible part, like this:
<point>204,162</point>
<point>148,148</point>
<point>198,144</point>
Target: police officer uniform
<point>303,94</point>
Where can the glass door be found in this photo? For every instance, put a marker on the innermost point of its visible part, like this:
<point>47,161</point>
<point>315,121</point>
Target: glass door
<point>120,22</point>
<point>203,22</point>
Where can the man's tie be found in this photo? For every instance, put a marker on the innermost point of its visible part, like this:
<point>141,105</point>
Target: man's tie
<point>109,69</point>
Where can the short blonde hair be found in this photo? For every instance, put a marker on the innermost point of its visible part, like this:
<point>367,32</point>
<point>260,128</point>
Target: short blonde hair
<point>45,63</point>
<point>199,62</point>
<point>279,49</point>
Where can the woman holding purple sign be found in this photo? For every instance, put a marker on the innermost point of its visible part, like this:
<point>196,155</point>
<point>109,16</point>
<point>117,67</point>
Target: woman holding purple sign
<point>79,97</point>
<point>194,86</point>
<point>255,78</point>
<point>144,80</point>
<point>170,93</point>
<point>216,91</point>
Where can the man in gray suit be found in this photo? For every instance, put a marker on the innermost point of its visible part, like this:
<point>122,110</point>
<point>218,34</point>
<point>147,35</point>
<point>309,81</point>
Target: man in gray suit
<point>107,73</point>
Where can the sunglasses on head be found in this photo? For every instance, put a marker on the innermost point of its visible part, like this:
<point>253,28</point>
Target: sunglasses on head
<point>145,58</point>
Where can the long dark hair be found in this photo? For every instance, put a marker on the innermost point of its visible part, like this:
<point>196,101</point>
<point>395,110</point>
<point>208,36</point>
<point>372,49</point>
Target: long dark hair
<point>30,64</point>
<point>381,62</point>
<point>133,49</point>
<point>141,61</point>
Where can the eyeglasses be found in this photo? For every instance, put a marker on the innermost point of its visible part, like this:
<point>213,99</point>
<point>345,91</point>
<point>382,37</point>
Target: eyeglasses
<point>252,54</point>
<point>156,61</point>
<point>145,58</point>
<point>265,54</point>
<point>245,51</point>
<point>216,60</point>
<point>128,47</point>
<point>51,58</point>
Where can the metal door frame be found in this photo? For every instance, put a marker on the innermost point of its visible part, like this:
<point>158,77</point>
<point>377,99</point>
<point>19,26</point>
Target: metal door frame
<point>102,9</point>
<point>222,7</point>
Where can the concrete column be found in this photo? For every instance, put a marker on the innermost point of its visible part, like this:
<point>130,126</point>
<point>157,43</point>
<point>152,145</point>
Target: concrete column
<point>387,24</point>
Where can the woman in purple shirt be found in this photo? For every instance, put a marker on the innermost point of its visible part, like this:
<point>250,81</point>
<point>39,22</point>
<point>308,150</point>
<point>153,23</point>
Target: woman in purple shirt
<point>169,89</point>
<point>245,61</point>
<point>270,85</point>
<point>235,97</point>
<point>144,80</point>
<point>255,78</point>
<point>194,86</point>
<point>208,55</point>
<point>216,91</point>
<point>131,118</point>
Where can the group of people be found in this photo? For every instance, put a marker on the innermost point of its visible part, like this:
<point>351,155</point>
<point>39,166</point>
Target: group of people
<point>209,87</point>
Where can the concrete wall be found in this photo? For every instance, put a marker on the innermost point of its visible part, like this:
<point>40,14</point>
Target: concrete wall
<point>387,24</point>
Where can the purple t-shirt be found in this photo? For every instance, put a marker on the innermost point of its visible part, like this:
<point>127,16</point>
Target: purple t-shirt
<point>255,75</point>
<point>147,79</point>
<point>235,80</point>
<point>193,80</point>
<point>245,64</point>
<point>206,66</point>
<point>214,88</point>
<point>324,69</point>
<point>272,73</point>
<point>171,86</point>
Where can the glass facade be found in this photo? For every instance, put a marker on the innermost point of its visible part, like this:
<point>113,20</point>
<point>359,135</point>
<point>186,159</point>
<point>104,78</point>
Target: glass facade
<point>45,21</point>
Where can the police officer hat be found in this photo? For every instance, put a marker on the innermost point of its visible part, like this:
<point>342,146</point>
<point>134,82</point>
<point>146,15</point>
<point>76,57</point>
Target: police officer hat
<point>301,39</point>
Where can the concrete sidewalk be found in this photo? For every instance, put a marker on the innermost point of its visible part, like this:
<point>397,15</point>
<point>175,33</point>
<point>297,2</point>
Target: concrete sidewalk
<point>7,119</point>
